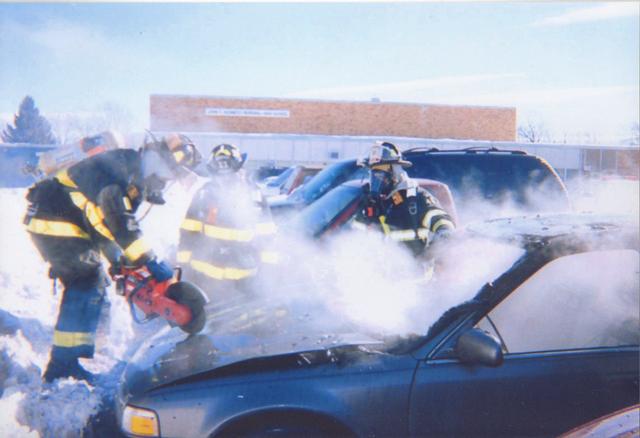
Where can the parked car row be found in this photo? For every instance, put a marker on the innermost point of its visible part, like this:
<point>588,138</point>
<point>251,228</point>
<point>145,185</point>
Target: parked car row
<point>480,179</point>
<point>289,180</point>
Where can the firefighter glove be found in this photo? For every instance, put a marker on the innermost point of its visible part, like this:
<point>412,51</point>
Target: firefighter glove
<point>161,271</point>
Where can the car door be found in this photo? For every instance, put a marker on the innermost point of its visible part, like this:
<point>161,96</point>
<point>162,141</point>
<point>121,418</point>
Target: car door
<point>570,340</point>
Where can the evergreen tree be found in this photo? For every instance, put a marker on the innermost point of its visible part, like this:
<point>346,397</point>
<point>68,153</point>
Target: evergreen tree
<point>30,126</point>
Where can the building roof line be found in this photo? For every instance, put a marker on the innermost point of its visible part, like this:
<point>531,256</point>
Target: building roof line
<point>430,141</point>
<point>312,100</point>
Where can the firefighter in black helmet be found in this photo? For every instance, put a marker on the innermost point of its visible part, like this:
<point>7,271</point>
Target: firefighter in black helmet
<point>88,209</point>
<point>397,206</point>
<point>224,236</point>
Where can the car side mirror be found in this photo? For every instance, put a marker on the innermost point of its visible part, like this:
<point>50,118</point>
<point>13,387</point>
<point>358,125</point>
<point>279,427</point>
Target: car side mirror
<point>476,346</point>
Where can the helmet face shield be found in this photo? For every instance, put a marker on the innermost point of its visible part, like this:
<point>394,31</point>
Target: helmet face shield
<point>380,182</point>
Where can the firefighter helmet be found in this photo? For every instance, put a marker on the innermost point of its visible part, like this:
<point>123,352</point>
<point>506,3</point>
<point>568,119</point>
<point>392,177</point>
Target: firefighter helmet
<point>225,158</point>
<point>164,160</point>
<point>383,153</point>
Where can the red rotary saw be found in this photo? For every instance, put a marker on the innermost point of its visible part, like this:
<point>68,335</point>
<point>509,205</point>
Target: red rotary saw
<point>179,302</point>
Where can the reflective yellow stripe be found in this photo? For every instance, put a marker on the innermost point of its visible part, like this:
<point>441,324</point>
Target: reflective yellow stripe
<point>95,216</point>
<point>384,225</point>
<point>221,273</point>
<point>426,222</point>
<point>64,179</point>
<point>266,228</point>
<point>443,223</point>
<point>136,250</point>
<point>178,156</point>
<point>270,257</point>
<point>191,225</point>
<point>72,339</point>
<point>183,256</point>
<point>423,233</point>
<point>54,228</point>
<point>79,200</point>
<point>402,235</point>
<point>92,212</point>
<point>127,203</point>
<point>228,233</point>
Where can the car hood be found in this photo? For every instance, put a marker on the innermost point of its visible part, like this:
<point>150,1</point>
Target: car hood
<point>542,227</point>
<point>171,355</point>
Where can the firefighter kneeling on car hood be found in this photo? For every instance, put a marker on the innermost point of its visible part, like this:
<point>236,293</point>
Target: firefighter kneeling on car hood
<point>397,206</point>
<point>226,235</point>
<point>88,209</point>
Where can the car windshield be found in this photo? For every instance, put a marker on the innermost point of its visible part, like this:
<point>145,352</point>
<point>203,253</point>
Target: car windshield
<point>280,179</point>
<point>315,218</point>
<point>329,177</point>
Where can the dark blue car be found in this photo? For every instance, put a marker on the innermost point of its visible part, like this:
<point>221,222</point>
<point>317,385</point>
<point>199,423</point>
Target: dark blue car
<point>538,336</point>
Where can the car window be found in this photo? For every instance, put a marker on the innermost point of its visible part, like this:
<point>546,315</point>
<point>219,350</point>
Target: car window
<point>315,218</point>
<point>330,177</point>
<point>584,300</point>
<point>494,177</point>
<point>280,179</point>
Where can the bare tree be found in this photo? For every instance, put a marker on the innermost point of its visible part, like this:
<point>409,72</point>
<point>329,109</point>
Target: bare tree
<point>107,117</point>
<point>533,132</point>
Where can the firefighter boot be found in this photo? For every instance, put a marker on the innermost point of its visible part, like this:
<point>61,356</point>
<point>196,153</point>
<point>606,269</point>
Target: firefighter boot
<point>61,368</point>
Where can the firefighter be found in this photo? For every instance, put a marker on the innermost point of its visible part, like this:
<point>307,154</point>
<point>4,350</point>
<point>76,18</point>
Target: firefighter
<point>224,238</point>
<point>87,210</point>
<point>397,206</point>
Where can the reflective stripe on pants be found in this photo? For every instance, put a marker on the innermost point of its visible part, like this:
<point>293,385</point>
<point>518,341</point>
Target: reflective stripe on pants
<point>75,329</point>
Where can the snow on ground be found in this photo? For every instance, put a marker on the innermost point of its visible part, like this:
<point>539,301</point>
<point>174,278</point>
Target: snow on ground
<point>28,310</point>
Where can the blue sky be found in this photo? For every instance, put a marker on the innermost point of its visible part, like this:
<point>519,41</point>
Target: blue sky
<point>573,67</point>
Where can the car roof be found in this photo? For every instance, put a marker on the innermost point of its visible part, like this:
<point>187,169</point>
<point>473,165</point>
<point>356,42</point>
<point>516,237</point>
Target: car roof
<point>470,150</point>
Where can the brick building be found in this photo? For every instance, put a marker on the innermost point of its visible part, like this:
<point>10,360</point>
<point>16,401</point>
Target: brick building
<point>316,117</point>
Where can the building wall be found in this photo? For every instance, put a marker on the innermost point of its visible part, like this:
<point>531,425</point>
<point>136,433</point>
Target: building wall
<point>286,149</point>
<point>315,117</point>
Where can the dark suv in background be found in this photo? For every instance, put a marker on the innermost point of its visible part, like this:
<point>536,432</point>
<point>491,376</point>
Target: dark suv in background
<point>502,180</point>
<point>485,182</point>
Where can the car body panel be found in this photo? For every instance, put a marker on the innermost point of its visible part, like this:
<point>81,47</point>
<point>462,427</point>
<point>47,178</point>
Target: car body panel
<point>336,208</point>
<point>371,384</point>
<point>546,392</point>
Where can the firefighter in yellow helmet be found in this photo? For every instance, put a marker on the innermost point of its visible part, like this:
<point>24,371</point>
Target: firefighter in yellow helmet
<point>397,206</point>
<point>225,236</point>
<point>88,209</point>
